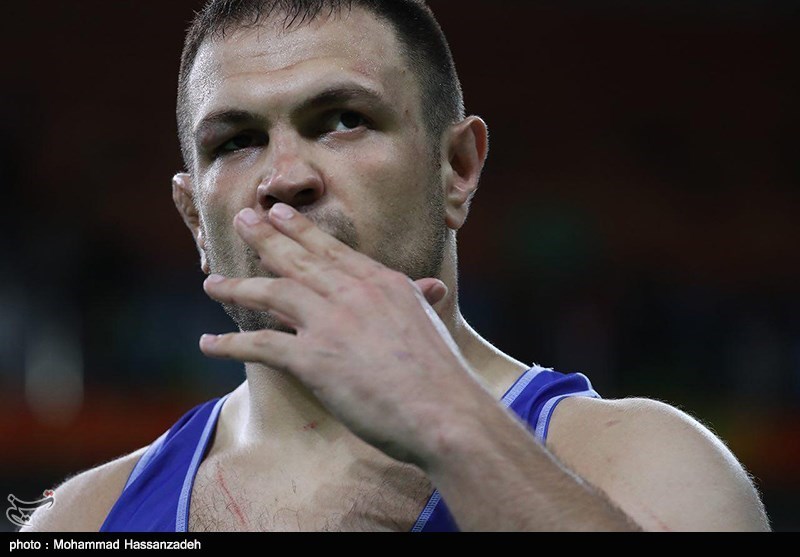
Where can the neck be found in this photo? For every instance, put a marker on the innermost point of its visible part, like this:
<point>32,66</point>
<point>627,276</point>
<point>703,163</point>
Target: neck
<point>274,405</point>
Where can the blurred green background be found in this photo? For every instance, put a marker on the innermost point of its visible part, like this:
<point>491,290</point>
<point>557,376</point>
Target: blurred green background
<point>638,220</point>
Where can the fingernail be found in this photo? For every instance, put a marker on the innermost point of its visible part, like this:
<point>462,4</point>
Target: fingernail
<point>249,217</point>
<point>282,211</point>
<point>208,340</point>
<point>214,279</point>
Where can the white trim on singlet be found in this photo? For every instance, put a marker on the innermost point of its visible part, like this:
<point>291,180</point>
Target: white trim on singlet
<point>182,518</point>
<point>520,385</point>
<point>426,513</point>
<point>543,421</point>
<point>516,389</point>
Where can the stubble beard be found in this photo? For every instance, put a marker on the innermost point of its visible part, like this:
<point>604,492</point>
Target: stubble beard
<point>423,259</point>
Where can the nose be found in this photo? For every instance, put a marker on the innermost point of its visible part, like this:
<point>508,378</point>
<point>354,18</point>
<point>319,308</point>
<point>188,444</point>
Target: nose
<point>292,179</point>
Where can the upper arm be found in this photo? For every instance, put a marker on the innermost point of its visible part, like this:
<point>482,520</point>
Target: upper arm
<point>83,501</point>
<point>657,464</point>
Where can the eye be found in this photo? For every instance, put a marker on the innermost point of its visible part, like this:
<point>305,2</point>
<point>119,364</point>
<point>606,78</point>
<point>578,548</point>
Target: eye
<point>242,141</point>
<point>347,121</point>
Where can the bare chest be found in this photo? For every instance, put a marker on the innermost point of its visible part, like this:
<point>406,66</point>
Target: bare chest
<point>360,498</point>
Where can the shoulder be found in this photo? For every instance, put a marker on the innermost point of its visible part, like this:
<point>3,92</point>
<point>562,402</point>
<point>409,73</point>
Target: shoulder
<point>657,463</point>
<point>83,501</point>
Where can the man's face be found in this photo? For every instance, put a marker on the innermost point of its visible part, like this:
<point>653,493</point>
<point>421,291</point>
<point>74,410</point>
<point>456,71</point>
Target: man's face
<point>325,117</point>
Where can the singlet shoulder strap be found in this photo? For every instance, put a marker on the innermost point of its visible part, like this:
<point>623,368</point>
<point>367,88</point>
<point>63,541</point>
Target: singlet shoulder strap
<point>157,493</point>
<point>533,397</point>
<point>182,518</point>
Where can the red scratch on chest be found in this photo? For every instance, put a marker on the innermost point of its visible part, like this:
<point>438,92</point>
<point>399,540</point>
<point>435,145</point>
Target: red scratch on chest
<point>231,503</point>
<point>310,426</point>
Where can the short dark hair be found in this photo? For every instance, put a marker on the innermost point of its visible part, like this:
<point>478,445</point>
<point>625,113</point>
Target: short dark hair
<point>421,38</point>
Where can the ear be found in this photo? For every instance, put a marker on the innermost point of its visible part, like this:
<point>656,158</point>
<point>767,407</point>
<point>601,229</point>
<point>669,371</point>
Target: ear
<point>182,195</point>
<point>467,144</point>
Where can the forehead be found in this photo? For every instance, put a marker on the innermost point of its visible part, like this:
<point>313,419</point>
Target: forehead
<point>268,61</point>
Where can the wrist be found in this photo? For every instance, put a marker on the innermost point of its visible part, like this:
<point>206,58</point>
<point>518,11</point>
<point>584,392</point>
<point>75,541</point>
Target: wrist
<point>461,431</point>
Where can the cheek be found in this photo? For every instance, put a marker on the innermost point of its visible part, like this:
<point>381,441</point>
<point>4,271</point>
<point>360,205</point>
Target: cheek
<point>393,199</point>
<point>224,194</point>
<point>393,172</point>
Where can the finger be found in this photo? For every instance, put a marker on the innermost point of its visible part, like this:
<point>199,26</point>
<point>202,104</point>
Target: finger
<point>271,348</point>
<point>285,297</point>
<point>303,231</point>
<point>433,289</point>
<point>284,257</point>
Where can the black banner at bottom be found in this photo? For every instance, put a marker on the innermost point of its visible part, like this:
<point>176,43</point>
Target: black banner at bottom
<point>18,543</point>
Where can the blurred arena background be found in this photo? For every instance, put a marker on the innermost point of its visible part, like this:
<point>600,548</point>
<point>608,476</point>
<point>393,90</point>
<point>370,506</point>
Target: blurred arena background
<point>638,220</point>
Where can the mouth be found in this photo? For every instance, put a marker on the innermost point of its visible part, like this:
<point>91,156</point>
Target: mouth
<point>331,222</point>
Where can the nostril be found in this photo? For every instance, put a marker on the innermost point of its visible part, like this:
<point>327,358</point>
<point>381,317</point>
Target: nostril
<point>268,201</point>
<point>303,197</point>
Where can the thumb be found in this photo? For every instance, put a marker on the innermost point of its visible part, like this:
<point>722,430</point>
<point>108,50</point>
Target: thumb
<point>433,289</point>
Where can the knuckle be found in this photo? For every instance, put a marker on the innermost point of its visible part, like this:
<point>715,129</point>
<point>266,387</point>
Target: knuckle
<point>278,287</point>
<point>334,251</point>
<point>304,263</point>
<point>261,340</point>
<point>285,287</point>
<point>266,287</point>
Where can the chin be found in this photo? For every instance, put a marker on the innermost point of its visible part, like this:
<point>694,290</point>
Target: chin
<point>250,321</point>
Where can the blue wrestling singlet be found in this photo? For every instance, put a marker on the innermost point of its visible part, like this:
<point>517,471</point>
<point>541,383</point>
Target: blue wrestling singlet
<point>157,494</point>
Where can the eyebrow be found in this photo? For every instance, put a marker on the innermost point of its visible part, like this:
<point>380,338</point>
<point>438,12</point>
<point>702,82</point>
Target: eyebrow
<point>333,95</point>
<point>344,93</point>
